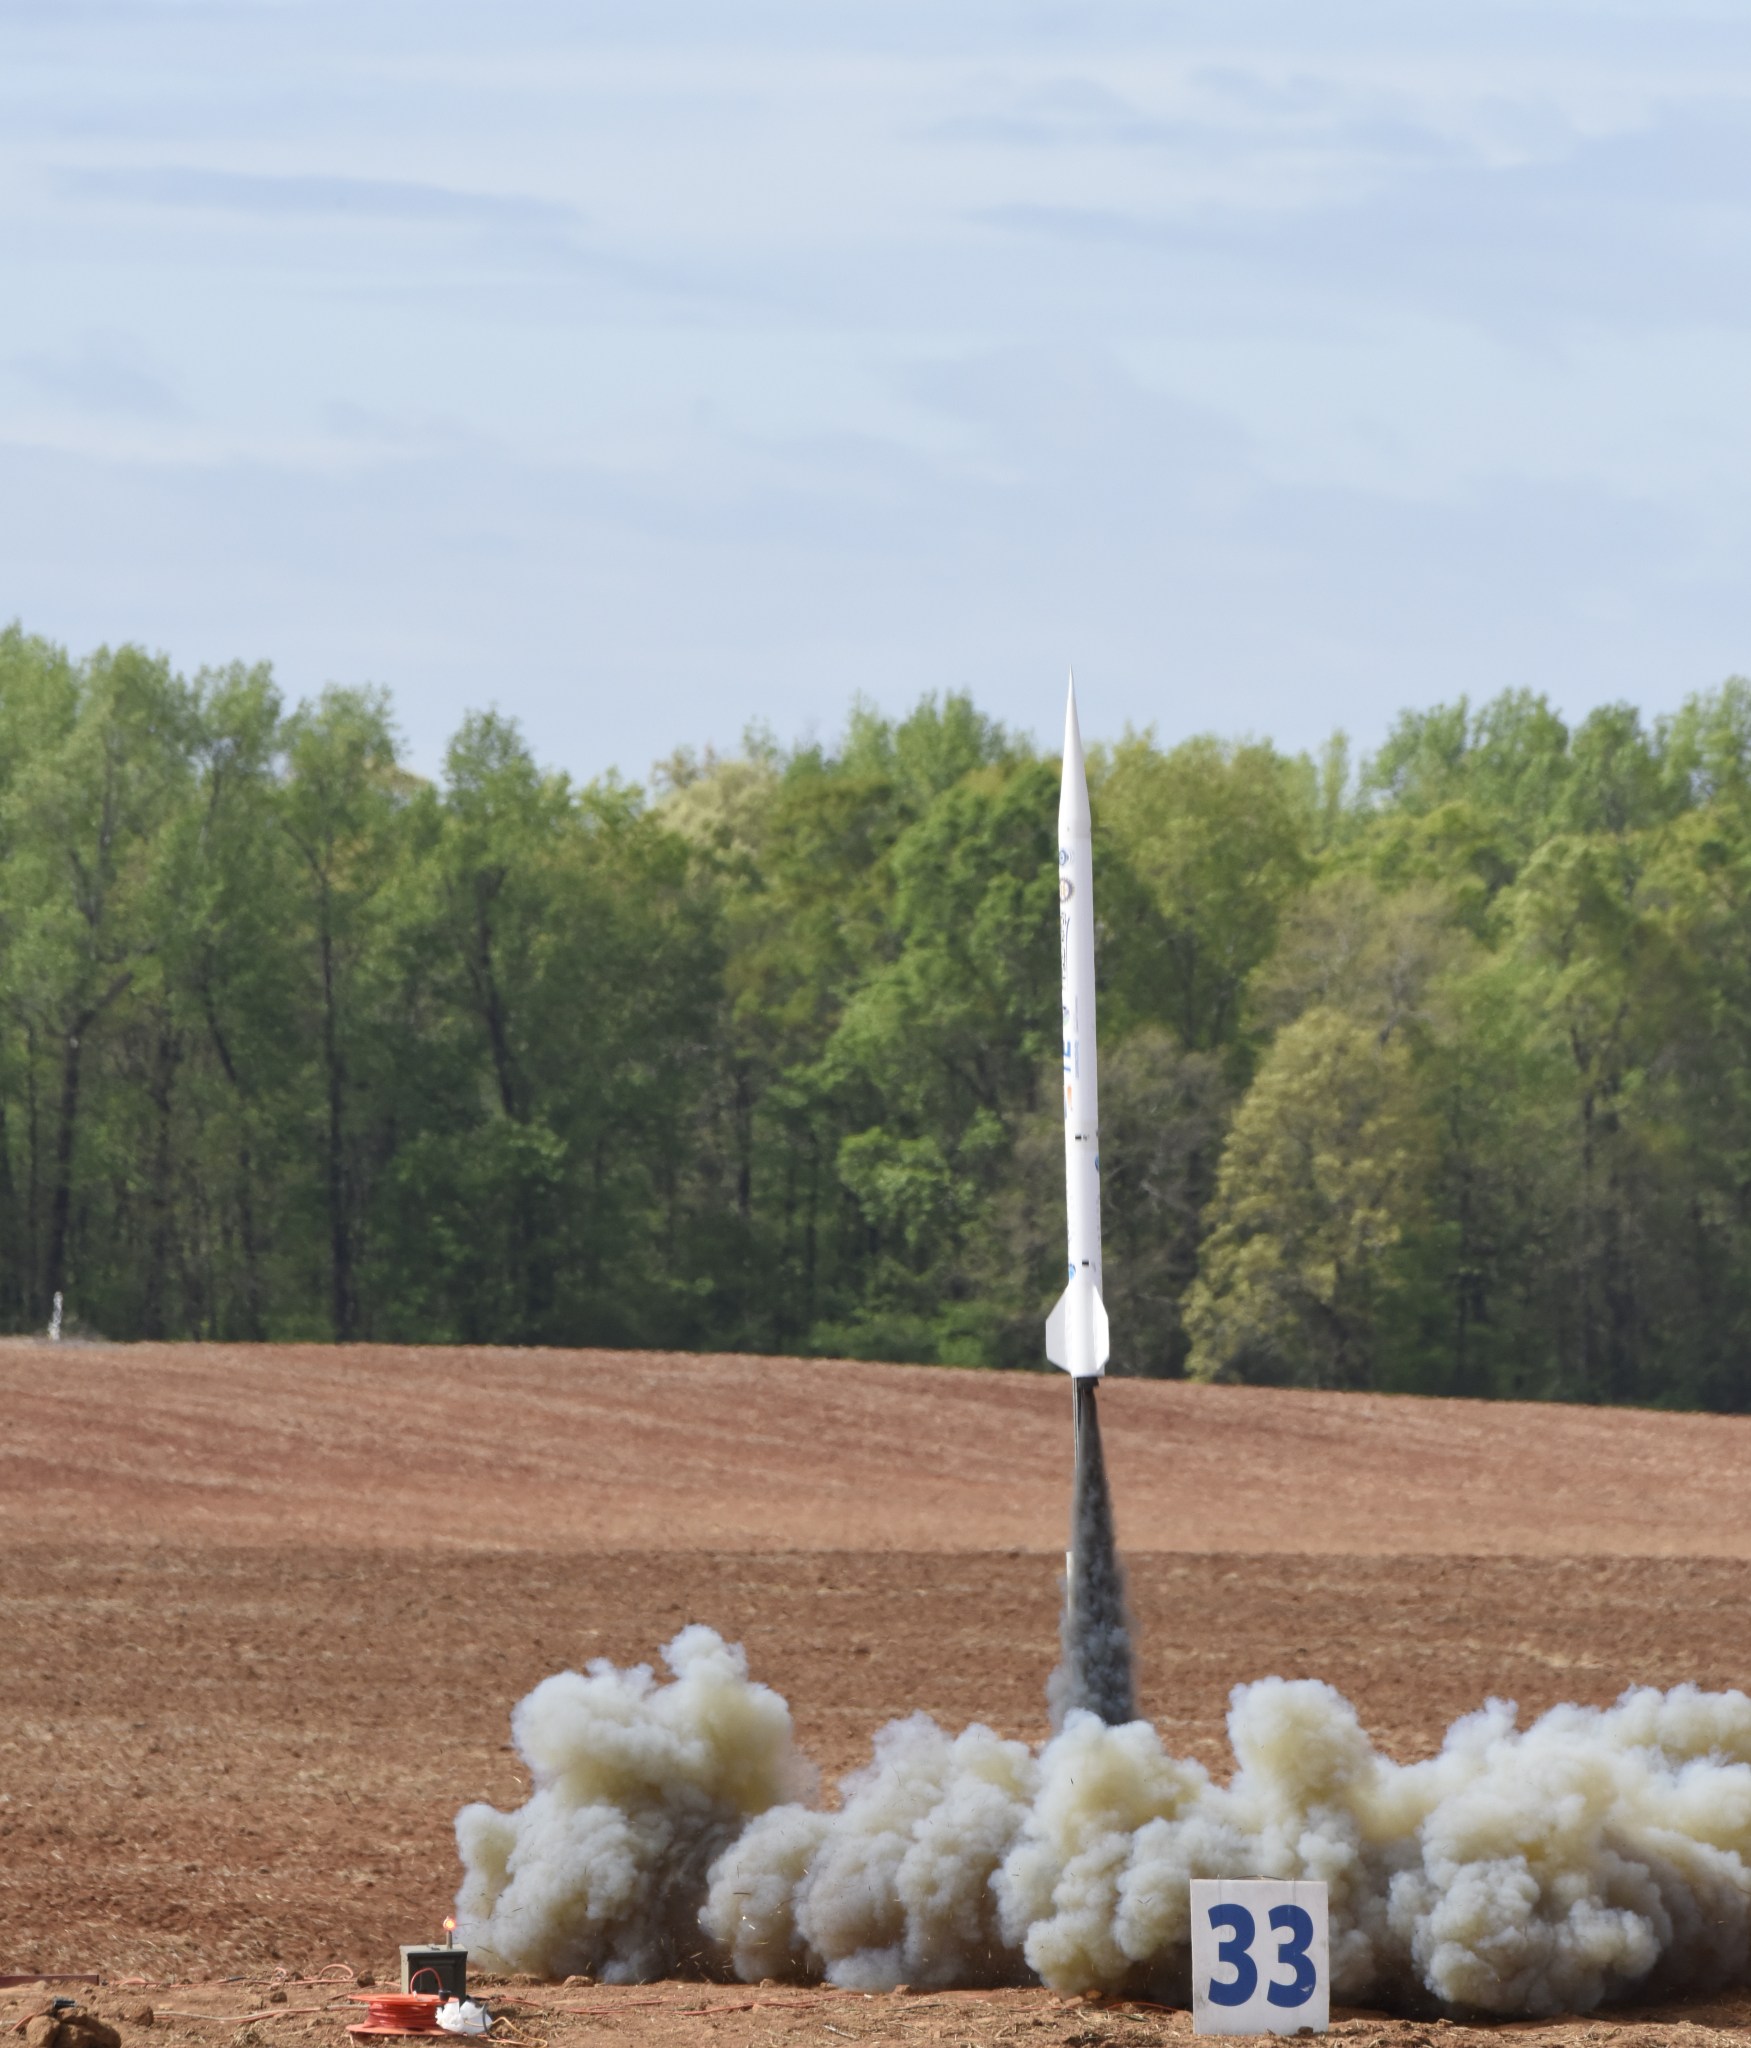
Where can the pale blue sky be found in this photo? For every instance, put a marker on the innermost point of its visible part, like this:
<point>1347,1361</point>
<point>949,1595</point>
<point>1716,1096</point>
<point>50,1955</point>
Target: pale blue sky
<point>646,369</point>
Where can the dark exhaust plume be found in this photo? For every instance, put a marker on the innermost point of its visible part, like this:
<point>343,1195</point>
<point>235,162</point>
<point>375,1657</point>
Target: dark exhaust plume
<point>1095,1633</point>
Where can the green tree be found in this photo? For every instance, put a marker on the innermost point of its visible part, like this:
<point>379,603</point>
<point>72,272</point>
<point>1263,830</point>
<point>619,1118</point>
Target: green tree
<point>101,763</point>
<point>233,971</point>
<point>1322,1178</point>
<point>1510,759</point>
<point>1218,839</point>
<point>1604,979</point>
<point>939,1053</point>
<point>340,809</point>
<point>563,964</point>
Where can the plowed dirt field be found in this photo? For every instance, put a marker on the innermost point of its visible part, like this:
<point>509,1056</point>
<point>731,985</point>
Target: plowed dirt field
<point>264,1612</point>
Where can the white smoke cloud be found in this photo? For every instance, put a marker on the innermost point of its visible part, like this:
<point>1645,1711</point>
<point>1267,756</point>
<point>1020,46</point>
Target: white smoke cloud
<point>637,1788</point>
<point>1595,1854</point>
<point>896,1887</point>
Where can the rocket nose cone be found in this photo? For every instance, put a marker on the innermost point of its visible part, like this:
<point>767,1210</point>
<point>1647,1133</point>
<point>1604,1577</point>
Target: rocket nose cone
<point>1073,797</point>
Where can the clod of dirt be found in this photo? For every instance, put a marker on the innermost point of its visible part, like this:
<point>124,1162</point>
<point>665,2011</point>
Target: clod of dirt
<point>41,2030</point>
<point>276,1998</point>
<point>86,2030</point>
<point>141,2016</point>
<point>364,1980</point>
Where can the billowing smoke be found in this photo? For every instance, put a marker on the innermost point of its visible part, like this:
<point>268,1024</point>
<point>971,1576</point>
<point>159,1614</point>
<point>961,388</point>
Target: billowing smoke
<point>1596,1854</point>
<point>637,1789</point>
<point>1095,1635</point>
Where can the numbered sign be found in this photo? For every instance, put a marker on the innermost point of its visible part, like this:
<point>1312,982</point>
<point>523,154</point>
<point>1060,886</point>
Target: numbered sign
<point>1261,1960</point>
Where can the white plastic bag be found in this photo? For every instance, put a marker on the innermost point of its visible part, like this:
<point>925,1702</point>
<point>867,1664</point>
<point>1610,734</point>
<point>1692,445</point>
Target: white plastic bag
<point>463,2016</point>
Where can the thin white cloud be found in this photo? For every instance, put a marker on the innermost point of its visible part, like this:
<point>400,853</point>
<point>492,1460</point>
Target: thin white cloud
<point>106,372</point>
<point>308,195</point>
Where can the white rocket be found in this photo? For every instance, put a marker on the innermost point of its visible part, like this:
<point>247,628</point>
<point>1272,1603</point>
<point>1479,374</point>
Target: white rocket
<point>1076,1330</point>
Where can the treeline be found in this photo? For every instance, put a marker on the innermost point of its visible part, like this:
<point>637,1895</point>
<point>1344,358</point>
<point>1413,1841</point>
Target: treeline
<point>1433,1074</point>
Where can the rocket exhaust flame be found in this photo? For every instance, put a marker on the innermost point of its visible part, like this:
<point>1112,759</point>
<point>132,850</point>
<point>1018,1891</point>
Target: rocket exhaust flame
<point>1095,1633</point>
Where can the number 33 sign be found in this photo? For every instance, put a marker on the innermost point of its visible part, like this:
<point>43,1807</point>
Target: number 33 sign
<point>1260,1957</point>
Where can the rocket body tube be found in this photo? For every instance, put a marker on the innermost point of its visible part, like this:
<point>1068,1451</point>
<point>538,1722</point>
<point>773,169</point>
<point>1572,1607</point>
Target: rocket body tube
<point>1076,1331</point>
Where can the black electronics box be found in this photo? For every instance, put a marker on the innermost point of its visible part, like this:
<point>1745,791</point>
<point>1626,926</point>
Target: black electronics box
<point>441,1970</point>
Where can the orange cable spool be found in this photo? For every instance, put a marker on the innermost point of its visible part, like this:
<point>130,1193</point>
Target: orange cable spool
<point>395,2012</point>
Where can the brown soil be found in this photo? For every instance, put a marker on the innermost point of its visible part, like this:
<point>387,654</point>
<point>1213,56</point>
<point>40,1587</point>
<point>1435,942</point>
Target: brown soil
<point>265,1613</point>
<point>399,1448</point>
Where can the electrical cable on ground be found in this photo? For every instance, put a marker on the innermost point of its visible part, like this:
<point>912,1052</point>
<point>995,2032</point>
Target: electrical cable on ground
<point>395,2012</point>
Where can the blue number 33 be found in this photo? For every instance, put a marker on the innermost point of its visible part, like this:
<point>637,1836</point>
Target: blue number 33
<point>1294,1927</point>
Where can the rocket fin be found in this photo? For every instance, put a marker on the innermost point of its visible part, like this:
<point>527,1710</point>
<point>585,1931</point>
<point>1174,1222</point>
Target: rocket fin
<point>1057,1335</point>
<point>1058,1330</point>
